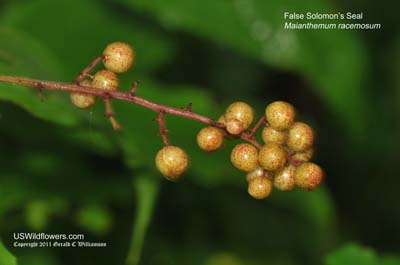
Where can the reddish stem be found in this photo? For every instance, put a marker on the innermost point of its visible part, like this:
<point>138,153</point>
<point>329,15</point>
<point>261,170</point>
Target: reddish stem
<point>116,95</point>
<point>260,122</point>
<point>87,70</point>
<point>110,114</point>
<point>162,129</point>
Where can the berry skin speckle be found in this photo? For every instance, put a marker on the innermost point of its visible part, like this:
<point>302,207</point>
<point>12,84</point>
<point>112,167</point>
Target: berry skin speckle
<point>105,80</point>
<point>280,115</point>
<point>308,176</point>
<point>260,188</point>
<point>245,157</point>
<point>210,138</point>
<point>172,162</point>
<point>272,157</point>
<point>118,57</point>
<point>301,137</point>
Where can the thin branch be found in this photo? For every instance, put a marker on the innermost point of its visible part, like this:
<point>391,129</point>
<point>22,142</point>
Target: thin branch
<point>87,70</point>
<point>260,122</point>
<point>110,114</point>
<point>162,129</point>
<point>116,95</point>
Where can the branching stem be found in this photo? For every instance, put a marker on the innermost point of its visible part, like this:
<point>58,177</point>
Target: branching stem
<point>129,96</point>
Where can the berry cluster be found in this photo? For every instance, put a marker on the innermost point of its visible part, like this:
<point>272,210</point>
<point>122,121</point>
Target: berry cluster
<point>118,57</point>
<point>282,162</point>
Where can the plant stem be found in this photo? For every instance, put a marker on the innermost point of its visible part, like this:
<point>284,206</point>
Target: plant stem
<point>116,95</point>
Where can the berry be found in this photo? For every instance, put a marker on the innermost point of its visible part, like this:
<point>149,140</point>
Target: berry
<point>308,176</point>
<point>118,57</point>
<point>172,162</point>
<point>245,157</point>
<point>234,126</point>
<point>270,135</point>
<point>105,80</point>
<point>260,188</point>
<point>280,115</point>
<point>305,156</point>
<point>272,157</point>
<point>82,100</point>
<point>284,178</point>
<point>242,112</point>
<point>258,172</point>
<point>210,138</point>
<point>301,137</point>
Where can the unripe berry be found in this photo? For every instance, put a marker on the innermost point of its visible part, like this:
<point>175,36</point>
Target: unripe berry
<point>210,138</point>
<point>245,157</point>
<point>260,188</point>
<point>301,137</point>
<point>280,115</point>
<point>105,80</point>
<point>284,178</point>
<point>308,176</point>
<point>270,135</point>
<point>305,156</point>
<point>172,162</point>
<point>234,126</point>
<point>242,112</point>
<point>118,57</point>
<point>82,100</point>
<point>272,157</point>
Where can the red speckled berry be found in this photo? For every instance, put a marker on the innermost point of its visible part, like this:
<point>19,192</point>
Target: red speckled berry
<point>301,137</point>
<point>118,57</point>
<point>172,162</point>
<point>270,135</point>
<point>272,157</point>
<point>260,188</point>
<point>105,80</point>
<point>284,178</point>
<point>210,138</point>
<point>245,157</point>
<point>242,112</point>
<point>280,115</point>
<point>308,176</point>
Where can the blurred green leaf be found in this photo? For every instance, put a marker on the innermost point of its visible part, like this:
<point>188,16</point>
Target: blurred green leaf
<point>6,258</point>
<point>77,43</point>
<point>352,253</point>
<point>25,56</point>
<point>95,218</point>
<point>333,61</point>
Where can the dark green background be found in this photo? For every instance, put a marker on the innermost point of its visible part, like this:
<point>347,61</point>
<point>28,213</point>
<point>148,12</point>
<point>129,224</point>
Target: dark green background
<point>64,170</point>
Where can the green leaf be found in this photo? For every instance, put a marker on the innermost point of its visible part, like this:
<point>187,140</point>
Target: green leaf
<point>352,254</point>
<point>79,34</point>
<point>146,188</point>
<point>6,258</point>
<point>23,55</point>
<point>332,61</point>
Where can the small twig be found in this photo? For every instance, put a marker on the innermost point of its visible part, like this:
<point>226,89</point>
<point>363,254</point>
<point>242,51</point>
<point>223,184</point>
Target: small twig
<point>38,87</point>
<point>134,86</point>
<point>253,130</point>
<point>188,107</point>
<point>247,137</point>
<point>110,114</point>
<point>87,70</point>
<point>162,129</point>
